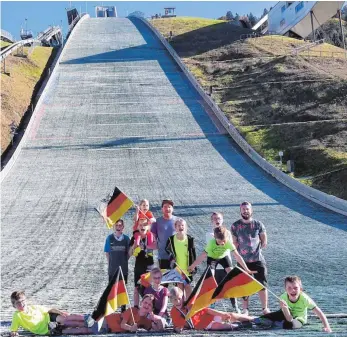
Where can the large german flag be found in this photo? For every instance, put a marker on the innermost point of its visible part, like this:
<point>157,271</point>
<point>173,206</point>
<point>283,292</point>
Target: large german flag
<point>236,284</point>
<point>113,297</point>
<point>201,295</point>
<point>116,207</point>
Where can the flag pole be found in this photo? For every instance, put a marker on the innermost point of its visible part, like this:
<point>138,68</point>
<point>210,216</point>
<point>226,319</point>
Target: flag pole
<point>139,210</point>
<point>137,206</point>
<point>126,290</point>
<point>103,213</point>
<point>182,271</point>
<point>104,216</point>
<point>272,293</point>
<point>205,272</point>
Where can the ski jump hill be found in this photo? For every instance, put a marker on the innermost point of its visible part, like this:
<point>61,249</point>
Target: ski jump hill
<point>118,111</point>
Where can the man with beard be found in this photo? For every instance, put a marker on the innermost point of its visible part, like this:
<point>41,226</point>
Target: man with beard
<point>249,237</point>
<point>162,229</point>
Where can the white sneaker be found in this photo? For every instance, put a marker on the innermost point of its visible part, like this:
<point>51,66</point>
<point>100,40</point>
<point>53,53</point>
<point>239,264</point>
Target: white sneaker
<point>245,312</point>
<point>88,321</point>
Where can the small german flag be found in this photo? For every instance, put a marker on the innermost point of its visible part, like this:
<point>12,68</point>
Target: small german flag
<point>116,207</point>
<point>236,284</point>
<point>114,296</point>
<point>202,293</point>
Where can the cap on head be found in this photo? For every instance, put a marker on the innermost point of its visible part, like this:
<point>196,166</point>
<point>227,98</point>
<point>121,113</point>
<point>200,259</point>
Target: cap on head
<point>167,201</point>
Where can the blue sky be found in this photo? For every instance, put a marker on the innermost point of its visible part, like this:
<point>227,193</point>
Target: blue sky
<point>41,14</point>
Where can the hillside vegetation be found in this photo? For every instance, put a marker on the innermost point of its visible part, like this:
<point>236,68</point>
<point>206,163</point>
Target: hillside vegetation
<point>331,33</point>
<point>277,100</point>
<point>18,86</point>
<point>4,44</point>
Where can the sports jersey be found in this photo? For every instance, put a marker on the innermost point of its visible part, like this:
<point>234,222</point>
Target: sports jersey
<point>299,308</point>
<point>35,320</point>
<point>216,251</point>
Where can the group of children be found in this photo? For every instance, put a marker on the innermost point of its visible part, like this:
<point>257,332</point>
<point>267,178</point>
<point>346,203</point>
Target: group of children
<point>151,313</point>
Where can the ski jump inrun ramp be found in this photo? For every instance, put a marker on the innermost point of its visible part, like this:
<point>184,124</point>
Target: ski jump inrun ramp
<point>119,112</point>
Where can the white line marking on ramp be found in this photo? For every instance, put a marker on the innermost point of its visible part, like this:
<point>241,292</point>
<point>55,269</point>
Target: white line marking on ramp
<point>125,137</point>
<point>115,124</point>
<point>133,112</point>
<point>132,148</point>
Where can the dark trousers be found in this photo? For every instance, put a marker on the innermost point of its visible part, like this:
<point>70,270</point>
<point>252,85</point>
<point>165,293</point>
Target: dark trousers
<point>278,316</point>
<point>164,264</point>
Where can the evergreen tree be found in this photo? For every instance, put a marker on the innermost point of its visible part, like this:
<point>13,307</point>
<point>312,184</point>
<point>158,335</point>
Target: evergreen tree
<point>229,16</point>
<point>344,13</point>
<point>237,17</point>
<point>252,19</point>
<point>265,12</point>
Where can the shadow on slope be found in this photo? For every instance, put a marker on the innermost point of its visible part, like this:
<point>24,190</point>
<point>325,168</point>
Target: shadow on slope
<point>222,144</point>
<point>204,39</point>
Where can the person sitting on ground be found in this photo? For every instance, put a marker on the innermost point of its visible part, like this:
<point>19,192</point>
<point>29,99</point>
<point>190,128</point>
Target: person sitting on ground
<point>39,319</point>
<point>160,293</point>
<point>294,304</point>
<point>182,253</point>
<point>137,318</point>
<point>205,319</point>
<point>217,251</point>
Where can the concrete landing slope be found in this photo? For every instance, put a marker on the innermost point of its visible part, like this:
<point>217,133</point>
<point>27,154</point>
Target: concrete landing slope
<point>118,112</point>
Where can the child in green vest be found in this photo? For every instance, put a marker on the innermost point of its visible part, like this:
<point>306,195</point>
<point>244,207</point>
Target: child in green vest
<point>294,305</point>
<point>217,251</point>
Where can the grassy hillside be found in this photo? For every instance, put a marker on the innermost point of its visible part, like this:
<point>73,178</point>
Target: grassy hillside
<point>181,25</point>
<point>278,101</point>
<point>17,87</point>
<point>193,36</point>
<point>4,44</point>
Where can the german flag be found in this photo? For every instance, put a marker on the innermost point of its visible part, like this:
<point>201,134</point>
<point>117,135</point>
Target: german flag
<point>113,297</point>
<point>237,284</point>
<point>116,207</point>
<point>202,293</point>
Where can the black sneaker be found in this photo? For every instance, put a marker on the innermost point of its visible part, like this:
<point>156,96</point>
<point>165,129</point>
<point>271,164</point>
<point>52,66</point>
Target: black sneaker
<point>57,331</point>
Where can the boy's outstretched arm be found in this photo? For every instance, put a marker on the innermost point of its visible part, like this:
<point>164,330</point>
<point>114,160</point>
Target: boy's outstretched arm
<point>323,318</point>
<point>200,258</point>
<point>242,262</point>
<point>286,312</point>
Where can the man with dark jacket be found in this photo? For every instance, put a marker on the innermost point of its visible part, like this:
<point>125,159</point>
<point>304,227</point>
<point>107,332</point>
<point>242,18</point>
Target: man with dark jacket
<point>181,250</point>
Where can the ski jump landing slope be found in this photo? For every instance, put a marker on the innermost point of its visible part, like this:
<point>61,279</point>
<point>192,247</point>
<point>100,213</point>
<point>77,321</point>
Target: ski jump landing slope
<point>118,112</point>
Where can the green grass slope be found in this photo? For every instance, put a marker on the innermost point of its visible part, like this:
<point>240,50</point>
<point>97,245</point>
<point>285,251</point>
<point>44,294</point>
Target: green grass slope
<point>18,85</point>
<point>278,101</point>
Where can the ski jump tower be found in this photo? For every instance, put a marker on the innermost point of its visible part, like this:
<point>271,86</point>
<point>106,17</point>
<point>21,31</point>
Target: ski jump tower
<point>297,18</point>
